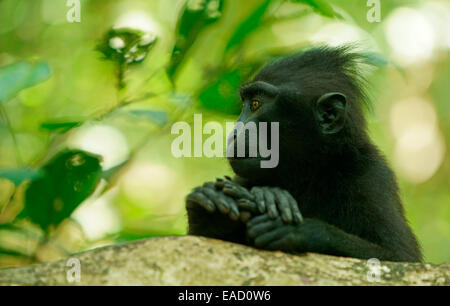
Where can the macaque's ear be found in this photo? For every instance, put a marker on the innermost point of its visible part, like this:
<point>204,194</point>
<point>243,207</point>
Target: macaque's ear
<point>330,112</point>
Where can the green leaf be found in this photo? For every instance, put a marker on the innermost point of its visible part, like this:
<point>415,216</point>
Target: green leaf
<point>378,60</point>
<point>158,117</point>
<point>69,178</point>
<point>64,126</point>
<point>181,100</point>
<point>193,20</point>
<point>250,24</point>
<point>39,73</point>
<point>17,176</point>
<point>14,253</point>
<point>320,7</point>
<point>21,75</point>
<point>375,59</point>
<point>125,236</point>
<point>221,96</point>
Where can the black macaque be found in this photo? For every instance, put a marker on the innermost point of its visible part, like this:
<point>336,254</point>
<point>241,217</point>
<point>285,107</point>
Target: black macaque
<point>332,192</point>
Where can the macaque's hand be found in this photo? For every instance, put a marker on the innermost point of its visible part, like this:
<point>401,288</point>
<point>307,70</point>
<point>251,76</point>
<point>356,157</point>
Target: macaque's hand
<point>273,200</point>
<point>213,200</point>
<point>274,234</point>
<point>276,201</point>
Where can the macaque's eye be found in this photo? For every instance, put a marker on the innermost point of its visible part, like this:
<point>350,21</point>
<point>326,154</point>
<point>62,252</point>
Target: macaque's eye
<point>254,105</point>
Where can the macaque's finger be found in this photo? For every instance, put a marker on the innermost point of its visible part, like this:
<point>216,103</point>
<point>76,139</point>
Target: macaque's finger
<point>248,205</point>
<point>244,191</point>
<point>263,227</point>
<point>298,218</point>
<point>258,219</point>
<point>200,199</point>
<point>271,205</point>
<point>236,191</point>
<point>197,189</point>
<point>231,191</point>
<point>219,200</point>
<point>283,205</point>
<point>209,185</point>
<point>259,198</point>
<point>245,216</point>
<point>219,183</point>
<point>271,237</point>
<point>234,209</point>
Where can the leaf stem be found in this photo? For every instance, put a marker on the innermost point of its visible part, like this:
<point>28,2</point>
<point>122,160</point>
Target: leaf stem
<point>13,136</point>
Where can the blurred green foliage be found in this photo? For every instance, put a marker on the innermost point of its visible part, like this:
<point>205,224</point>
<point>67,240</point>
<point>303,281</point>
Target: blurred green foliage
<point>66,181</point>
<point>86,110</point>
<point>190,24</point>
<point>20,75</point>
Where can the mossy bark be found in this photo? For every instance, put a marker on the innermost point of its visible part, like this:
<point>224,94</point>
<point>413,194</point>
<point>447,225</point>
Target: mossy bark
<point>189,260</point>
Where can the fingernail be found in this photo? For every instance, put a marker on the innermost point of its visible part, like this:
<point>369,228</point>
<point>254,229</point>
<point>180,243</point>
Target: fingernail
<point>223,207</point>
<point>243,202</point>
<point>245,217</point>
<point>211,207</point>
<point>273,212</point>
<point>236,211</point>
<point>234,216</point>
<point>287,214</point>
<point>261,206</point>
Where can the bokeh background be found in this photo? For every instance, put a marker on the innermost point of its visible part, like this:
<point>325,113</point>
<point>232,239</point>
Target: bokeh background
<point>86,108</point>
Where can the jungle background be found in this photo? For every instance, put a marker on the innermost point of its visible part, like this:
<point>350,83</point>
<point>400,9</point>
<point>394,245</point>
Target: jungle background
<point>86,108</point>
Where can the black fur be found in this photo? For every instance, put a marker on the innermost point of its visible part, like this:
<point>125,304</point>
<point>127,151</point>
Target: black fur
<point>344,188</point>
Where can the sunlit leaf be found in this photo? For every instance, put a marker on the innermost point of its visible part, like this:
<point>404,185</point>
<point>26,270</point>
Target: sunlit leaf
<point>249,25</point>
<point>69,178</point>
<point>39,73</point>
<point>16,241</point>
<point>21,75</point>
<point>17,176</point>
